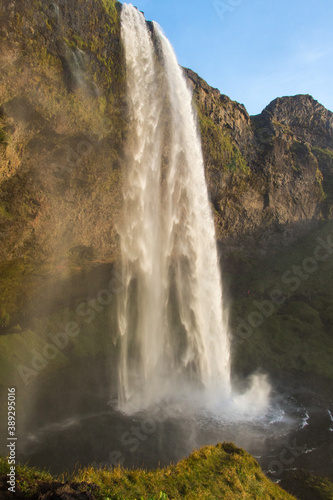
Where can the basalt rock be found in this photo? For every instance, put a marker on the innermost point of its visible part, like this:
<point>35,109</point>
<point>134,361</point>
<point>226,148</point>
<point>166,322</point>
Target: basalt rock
<point>62,129</point>
<point>269,176</point>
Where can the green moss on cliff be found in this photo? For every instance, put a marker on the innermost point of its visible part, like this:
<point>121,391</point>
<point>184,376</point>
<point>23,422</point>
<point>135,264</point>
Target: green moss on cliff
<point>11,285</point>
<point>61,108</point>
<point>325,175</point>
<point>4,214</point>
<point>110,7</point>
<point>295,332</point>
<point>221,471</point>
<point>28,478</point>
<point>219,148</point>
<point>307,486</point>
<point>3,136</point>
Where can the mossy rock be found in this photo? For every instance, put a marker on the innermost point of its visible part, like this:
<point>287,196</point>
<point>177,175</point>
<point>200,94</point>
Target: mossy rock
<point>219,148</point>
<point>306,486</point>
<point>221,471</point>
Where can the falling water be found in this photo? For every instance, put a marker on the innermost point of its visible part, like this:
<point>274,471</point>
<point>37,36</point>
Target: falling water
<point>172,328</point>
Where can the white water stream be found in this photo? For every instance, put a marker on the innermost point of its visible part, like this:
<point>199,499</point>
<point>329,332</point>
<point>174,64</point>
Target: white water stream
<point>173,329</point>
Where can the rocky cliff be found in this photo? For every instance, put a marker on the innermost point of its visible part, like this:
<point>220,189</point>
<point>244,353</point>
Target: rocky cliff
<point>63,126</point>
<point>62,133</point>
<point>270,181</point>
<point>269,176</point>
<point>63,123</point>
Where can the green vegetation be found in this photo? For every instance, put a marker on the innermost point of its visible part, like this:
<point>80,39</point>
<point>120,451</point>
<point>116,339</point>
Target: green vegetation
<point>11,286</point>
<point>110,7</point>
<point>3,136</point>
<point>20,345</point>
<point>28,478</point>
<point>325,174</point>
<point>4,214</point>
<point>282,127</point>
<point>221,471</point>
<point>323,151</point>
<point>306,485</point>
<point>238,162</point>
<point>64,129</point>
<point>294,334</point>
<point>219,148</point>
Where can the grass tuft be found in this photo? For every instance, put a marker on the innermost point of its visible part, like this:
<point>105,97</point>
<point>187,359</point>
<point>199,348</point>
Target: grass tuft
<point>221,471</point>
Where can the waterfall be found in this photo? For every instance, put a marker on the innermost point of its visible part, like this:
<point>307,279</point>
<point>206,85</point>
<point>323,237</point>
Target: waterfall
<point>173,334</point>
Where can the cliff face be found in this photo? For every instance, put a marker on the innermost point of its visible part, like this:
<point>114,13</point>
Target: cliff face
<point>269,176</point>
<point>308,120</point>
<point>63,122</point>
<point>270,181</point>
<point>61,138</point>
<point>62,131</point>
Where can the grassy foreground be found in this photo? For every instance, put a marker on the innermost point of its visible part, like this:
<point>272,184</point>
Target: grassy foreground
<point>212,472</point>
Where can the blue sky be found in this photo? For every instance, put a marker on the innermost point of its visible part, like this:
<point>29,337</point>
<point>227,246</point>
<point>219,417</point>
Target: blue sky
<point>252,50</point>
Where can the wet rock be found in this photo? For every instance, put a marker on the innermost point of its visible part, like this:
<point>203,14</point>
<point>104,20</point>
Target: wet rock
<point>305,486</point>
